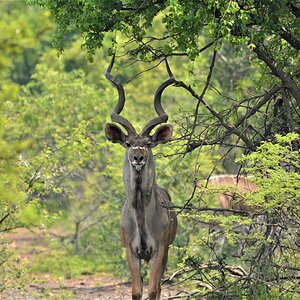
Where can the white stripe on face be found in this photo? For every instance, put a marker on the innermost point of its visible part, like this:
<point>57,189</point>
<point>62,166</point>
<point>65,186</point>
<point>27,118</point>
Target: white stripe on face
<point>138,147</point>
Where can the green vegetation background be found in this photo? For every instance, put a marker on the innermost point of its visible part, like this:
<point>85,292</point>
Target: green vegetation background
<point>59,173</point>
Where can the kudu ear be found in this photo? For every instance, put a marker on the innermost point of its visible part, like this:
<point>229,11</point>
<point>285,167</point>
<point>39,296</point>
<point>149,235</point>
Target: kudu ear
<point>114,133</point>
<point>162,134</point>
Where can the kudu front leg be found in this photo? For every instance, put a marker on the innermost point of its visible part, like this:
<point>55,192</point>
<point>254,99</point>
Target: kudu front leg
<point>157,267</point>
<point>134,264</point>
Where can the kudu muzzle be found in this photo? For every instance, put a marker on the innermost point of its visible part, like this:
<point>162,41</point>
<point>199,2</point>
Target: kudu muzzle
<point>138,157</point>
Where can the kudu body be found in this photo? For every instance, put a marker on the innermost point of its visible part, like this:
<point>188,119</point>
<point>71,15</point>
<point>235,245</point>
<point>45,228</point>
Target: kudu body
<point>229,200</point>
<point>148,225</point>
<point>233,185</point>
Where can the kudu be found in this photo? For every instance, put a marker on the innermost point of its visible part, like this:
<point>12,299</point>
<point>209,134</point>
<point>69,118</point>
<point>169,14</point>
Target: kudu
<point>148,225</point>
<point>230,200</point>
<point>233,186</point>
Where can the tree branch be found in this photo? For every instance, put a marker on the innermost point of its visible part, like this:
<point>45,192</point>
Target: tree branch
<point>277,71</point>
<point>200,98</point>
<point>261,103</point>
<point>287,36</point>
<point>5,217</point>
<point>231,128</point>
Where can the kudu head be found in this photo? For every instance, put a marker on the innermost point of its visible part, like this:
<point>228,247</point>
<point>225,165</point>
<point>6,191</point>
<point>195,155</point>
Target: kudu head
<point>138,145</point>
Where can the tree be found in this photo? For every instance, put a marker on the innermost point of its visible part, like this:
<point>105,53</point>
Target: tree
<point>239,74</point>
<point>260,259</point>
<point>266,31</point>
<point>18,40</point>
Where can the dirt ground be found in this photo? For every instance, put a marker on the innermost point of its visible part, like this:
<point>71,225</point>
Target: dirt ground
<point>44,286</point>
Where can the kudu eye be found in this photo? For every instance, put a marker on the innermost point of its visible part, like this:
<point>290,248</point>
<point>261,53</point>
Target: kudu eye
<point>128,144</point>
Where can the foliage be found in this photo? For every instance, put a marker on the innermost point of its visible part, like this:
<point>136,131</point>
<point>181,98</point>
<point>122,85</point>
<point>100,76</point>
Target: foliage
<point>260,258</point>
<point>264,33</point>
<point>62,264</point>
<point>12,203</point>
<point>18,36</point>
<point>69,161</point>
<point>237,88</point>
<point>239,22</point>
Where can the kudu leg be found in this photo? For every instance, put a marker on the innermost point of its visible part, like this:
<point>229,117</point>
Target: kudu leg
<point>134,264</point>
<point>157,267</point>
<point>162,270</point>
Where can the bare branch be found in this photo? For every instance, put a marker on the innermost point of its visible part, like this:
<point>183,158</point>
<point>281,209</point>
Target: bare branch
<point>254,109</point>
<point>5,217</point>
<point>200,98</point>
<point>230,128</point>
<point>277,71</point>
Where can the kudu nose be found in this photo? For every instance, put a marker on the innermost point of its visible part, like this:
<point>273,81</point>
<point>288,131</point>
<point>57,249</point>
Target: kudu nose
<point>138,158</point>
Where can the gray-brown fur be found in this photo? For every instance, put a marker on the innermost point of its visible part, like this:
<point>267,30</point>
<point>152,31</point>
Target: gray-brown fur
<point>234,184</point>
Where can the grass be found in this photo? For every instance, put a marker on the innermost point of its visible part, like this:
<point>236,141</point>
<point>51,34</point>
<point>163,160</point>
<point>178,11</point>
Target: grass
<point>60,264</point>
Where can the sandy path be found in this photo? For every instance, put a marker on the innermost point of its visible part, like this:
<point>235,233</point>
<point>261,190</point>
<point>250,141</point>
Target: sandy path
<point>42,286</point>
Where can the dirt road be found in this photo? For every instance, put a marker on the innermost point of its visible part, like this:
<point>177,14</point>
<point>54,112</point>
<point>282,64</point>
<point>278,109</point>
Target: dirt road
<point>90,287</point>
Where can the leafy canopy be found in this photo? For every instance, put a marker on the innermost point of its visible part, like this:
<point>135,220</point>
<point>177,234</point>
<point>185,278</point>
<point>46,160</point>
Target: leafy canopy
<point>182,23</point>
